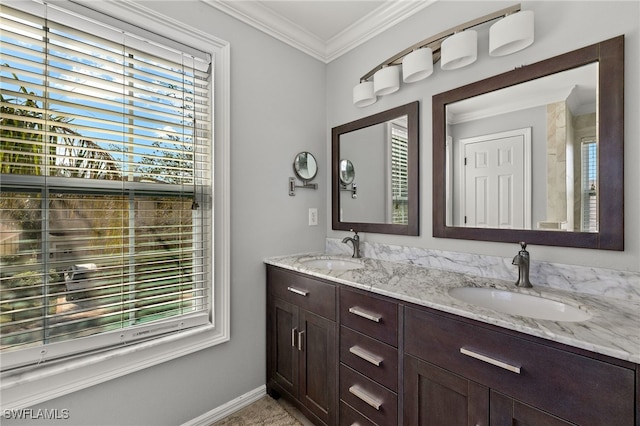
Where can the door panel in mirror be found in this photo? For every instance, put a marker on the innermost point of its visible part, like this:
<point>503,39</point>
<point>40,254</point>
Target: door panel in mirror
<point>576,189</point>
<point>383,149</point>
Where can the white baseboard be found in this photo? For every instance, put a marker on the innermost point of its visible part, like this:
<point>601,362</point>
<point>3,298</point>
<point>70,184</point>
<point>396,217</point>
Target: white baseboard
<point>229,408</point>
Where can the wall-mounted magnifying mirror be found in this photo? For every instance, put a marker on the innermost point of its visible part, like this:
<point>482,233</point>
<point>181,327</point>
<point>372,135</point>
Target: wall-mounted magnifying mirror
<point>384,148</point>
<point>534,154</point>
<point>305,168</point>
<point>347,175</point>
<point>347,172</point>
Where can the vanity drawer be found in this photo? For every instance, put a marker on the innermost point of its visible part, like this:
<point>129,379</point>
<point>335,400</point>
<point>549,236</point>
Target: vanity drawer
<point>350,417</point>
<point>370,315</point>
<point>370,357</point>
<point>310,294</point>
<point>575,387</point>
<point>368,397</point>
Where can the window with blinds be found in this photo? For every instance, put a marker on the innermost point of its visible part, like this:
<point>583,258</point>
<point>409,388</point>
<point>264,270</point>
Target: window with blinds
<point>105,178</point>
<point>589,186</point>
<point>399,174</point>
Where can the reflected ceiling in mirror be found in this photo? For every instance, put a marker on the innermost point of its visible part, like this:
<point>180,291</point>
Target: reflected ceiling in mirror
<point>383,151</point>
<point>543,146</point>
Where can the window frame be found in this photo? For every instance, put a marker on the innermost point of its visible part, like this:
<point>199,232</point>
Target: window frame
<point>35,384</point>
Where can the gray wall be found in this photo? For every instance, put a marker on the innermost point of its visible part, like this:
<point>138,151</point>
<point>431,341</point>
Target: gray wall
<point>560,26</point>
<point>277,110</point>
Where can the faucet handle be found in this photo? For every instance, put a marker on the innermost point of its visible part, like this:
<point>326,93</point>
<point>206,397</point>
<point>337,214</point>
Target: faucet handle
<point>523,245</point>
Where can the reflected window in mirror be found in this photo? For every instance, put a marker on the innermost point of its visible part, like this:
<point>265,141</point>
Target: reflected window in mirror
<point>383,149</point>
<point>535,154</point>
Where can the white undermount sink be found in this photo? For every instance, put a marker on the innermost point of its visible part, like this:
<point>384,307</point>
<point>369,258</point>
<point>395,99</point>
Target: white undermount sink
<point>519,304</point>
<point>332,263</point>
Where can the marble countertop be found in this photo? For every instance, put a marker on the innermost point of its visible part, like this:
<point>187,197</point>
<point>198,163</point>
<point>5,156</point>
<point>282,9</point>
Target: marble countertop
<point>613,329</point>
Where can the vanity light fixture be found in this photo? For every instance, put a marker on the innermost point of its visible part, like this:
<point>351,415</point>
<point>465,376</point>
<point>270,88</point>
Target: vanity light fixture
<point>363,94</point>
<point>511,34</point>
<point>386,80</point>
<point>459,50</point>
<point>417,65</point>
<point>455,47</point>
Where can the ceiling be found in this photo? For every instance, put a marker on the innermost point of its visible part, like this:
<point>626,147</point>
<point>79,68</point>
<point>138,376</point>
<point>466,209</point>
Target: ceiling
<point>324,29</point>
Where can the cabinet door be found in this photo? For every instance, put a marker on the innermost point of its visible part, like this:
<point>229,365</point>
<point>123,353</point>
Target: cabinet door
<point>507,411</point>
<point>284,351</point>
<point>436,397</point>
<point>318,366</point>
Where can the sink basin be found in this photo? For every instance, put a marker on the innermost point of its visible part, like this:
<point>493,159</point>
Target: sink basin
<point>332,263</point>
<point>519,304</point>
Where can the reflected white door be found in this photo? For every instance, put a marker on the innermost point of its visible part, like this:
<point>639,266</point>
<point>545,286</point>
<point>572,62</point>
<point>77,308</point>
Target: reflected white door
<point>497,180</point>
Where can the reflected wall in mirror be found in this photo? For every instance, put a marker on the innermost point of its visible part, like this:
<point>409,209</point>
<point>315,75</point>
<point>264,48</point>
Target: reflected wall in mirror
<point>383,148</point>
<point>535,154</point>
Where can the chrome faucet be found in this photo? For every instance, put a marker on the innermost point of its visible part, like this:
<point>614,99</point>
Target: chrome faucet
<point>355,240</point>
<point>522,260</point>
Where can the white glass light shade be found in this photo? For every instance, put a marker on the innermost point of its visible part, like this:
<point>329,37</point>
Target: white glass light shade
<point>417,65</point>
<point>386,80</point>
<point>363,94</point>
<point>459,50</point>
<point>511,34</point>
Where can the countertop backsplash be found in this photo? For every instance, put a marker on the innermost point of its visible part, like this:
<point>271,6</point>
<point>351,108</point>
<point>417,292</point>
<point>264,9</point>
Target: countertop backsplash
<point>595,281</point>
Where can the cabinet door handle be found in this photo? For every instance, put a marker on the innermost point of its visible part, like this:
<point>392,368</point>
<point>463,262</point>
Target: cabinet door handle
<point>364,314</point>
<point>364,396</point>
<point>297,291</point>
<point>294,332</point>
<point>300,339</point>
<point>492,361</point>
<point>366,355</point>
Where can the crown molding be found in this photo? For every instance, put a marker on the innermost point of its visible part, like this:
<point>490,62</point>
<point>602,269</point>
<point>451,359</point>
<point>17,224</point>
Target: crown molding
<point>369,26</point>
<point>273,24</point>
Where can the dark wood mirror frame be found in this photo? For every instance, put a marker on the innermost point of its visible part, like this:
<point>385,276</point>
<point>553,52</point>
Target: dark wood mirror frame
<point>412,228</point>
<point>610,56</point>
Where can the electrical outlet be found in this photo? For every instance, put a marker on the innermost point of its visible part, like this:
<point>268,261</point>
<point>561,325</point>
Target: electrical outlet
<point>313,217</point>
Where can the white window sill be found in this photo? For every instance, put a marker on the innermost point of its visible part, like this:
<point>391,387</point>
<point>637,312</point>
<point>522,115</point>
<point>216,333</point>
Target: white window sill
<point>32,386</point>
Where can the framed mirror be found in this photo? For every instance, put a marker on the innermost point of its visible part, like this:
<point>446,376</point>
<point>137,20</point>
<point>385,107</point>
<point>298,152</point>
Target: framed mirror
<point>535,154</point>
<point>383,148</point>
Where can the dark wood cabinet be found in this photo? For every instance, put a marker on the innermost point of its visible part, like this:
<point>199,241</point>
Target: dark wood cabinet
<point>507,378</point>
<point>369,364</point>
<point>302,343</point>
<point>347,356</point>
<point>436,397</point>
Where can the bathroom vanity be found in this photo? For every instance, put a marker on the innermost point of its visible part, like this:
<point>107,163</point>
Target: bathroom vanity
<point>382,343</point>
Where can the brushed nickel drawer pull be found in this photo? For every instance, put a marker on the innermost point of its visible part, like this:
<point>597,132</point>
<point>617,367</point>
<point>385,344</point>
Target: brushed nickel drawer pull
<point>492,361</point>
<point>300,337</point>
<point>364,396</point>
<point>297,291</point>
<point>294,331</point>
<point>366,355</point>
<point>364,314</point>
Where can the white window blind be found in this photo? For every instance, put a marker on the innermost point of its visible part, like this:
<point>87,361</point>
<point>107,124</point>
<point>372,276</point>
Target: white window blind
<point>105,182</point>
<point>399,174</point>
<point>589,186</point>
